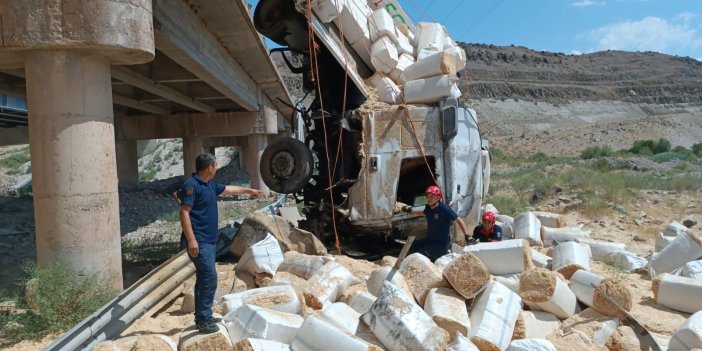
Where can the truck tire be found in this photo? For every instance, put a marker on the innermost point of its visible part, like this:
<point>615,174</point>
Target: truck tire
<point>286,166</point>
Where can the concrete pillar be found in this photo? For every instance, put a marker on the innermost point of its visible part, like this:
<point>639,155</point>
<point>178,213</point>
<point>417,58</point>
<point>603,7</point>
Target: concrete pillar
<point>192,146</point>
<point>66,49</point>
<point>256,143</point>
<point>127,162</point>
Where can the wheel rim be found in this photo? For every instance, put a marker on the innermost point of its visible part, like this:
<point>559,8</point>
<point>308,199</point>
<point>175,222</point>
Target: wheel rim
<point>283,165</point>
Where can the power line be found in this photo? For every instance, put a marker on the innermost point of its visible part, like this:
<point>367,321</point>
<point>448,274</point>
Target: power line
<point>427,9</point>
<point>452,11</point>
<point>481,19</point>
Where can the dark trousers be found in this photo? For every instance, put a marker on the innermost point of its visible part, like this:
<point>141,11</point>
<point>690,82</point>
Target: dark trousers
<point>205,282</point>
<point>431,248</point>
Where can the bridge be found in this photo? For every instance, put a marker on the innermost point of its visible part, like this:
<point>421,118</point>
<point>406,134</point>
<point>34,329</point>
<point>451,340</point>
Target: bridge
<point>99,76</point>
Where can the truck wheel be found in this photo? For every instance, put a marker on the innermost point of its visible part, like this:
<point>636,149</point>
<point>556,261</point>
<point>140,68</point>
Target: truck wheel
<point>286,166</point>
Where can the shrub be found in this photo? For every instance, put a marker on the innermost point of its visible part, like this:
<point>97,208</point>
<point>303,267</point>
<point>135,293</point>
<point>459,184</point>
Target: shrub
<point>15,160</point>
<point>669,156</point>
<point>697,149</point>
<point>650,147</point>
<point>596,152</point>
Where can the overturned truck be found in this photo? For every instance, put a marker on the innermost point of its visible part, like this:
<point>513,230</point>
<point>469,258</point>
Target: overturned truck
<point>384,124</point>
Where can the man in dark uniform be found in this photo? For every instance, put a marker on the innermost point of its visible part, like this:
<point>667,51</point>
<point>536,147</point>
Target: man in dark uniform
<point>488,231</point>
<point>198,218</point>
<point>440,217</point>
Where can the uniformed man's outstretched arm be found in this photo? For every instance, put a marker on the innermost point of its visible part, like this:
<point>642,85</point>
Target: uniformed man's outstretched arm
<point>238,190</point>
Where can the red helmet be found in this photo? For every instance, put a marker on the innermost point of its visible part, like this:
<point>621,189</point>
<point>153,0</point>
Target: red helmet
<point>489,216</point>
<point>433,189</point>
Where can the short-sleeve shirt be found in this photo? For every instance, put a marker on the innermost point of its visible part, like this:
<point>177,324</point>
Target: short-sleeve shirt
<point>201,196</point>
<point>439,220</point>
<point>484,236</point>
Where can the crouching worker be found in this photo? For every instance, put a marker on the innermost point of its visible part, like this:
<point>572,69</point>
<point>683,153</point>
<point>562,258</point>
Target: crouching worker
<point>440,217</point>
<point>488,231</point>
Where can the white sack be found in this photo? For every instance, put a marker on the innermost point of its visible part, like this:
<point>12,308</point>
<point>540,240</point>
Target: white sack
<point>459,56</point>
<point>675,229</point>
<point>327,10</point>
<point>507,224</point>
<point>462,343</point>
<point>600,249</point>
<point>384,55</point>
<point>531,345</point>
<point>328,284</point>
<point>363,49</point>
<point>377,279</point>
<point>527,226</point>
<point>445,260</point>
<point>679,293</point>
<point>692,269</point>
<point>580,285</point>
<point>509,280</point>
<point>380,24</point>
<point>252,344</point>
<point>689,335</point>
<point>251,321</point>
<point>353,20</point>
<point>430,90</point>
<point>361,301</point>
<point>540,260</point>
<point>282,298</point>
<point>316,334</point>
<point>563,234</point>
<point>503,257</point>
<point>341,316</point>
<point>448,309</point>
<point>626,260</point>
<point>570,254</point>
<point>403,44</point>
<point>494,315</point>
<point>403,62</point>
<point>430,39</point>
<point>302,265</point>
<point>662,241</point>
<point>262,257</point>
<point>421,275</point>
<point>433,65</point>
<point>685,248</point>
<point>386,89</point>
<point>539,324</point>
<point>562,303</point>
<point>550,219</point>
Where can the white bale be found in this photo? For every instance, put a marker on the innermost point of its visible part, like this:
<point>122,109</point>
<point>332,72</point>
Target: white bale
<point>448,309</point>
<point>503,257</point>
<point>674,229</point>
<point>626,260</point>
<point>328,284</point>
<point>459,56</point>
<point>430,38</point>
<point>430,90</point>
<point>689,335</point>
<point>507,224</point>
<point>404,61</point>
<point>580,285</point>
<point>354,21</point>
<point>462,343</point>
<point>342,316</point>
<point>400,324</point>
<point>377,279</point>
<point>467,275</point>
<point>384,55</point>
<point>570,256</point>
<point>600,249</point>
<point>527,226</point>
<point>317,334</point>
<point>252,344</point>
<point>692,269</point>
<point>509,280</point>
<point>282,298</point>
<point>678,293</point>
<point>403,44</point>
<point>361,301</point>
<point>493,317</point>
<point>553,294</point>
<point>531,345</point>
<point>251,321</point>
<point>191,339</point>
<point>662,241</point>
<point>302,265</point>
<point>550,219</point>
<point>327,10</point>
<point>539,324</point>
<point>263,257</point>
<point>433,65</point>
<point>491,208</point>
<point>540,260</point>
<point>421,276</point>
<point>380,24</point>
<point>363,49</point>
<point>563,234</point>
<point>385,88</point>
<point>445,260</point>
<point>685,248</point>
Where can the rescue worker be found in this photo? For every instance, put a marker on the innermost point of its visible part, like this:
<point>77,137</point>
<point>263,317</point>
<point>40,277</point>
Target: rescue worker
<point>439,217</point>
<point>488,231</point>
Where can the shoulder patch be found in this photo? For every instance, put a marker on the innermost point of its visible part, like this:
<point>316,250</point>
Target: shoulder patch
<point>189,191</point>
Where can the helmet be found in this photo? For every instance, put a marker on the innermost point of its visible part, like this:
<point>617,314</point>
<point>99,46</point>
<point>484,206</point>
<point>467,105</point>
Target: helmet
<point>489,216</point>
<point>433,189</point>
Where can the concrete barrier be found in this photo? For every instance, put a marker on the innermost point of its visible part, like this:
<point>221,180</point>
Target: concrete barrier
<point>448,310</point>
<point>493,317</point>
<point>543,290</point>
<point>677,293</point>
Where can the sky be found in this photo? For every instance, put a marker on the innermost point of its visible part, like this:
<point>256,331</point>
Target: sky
<point>672,27</point>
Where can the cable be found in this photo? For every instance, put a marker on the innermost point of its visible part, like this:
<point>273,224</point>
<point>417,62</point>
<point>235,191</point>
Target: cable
<point>481,18</point>
<point>460,2</point>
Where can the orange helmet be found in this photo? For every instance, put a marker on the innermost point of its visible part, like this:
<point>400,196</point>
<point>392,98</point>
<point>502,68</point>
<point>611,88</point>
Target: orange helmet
<point>433,189</point>
<point>489,216</point>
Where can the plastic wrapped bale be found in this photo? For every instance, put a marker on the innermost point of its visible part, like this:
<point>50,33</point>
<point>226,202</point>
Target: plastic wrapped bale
<point>561,235</point>
<point>503,257</point>
<point>685,248</point>
<point>600,249</point>
<point>403,61</point>
<point>380,24</point>
<point>531,345</point>
<point>493,316</point>
<point>281,298</point>
<point>251,344</point>
<point>328,284</point>
<point>430,90</point>
<point>662,241</point>
<point>433,65</point>
<point>549,219</point>
<point>443,261</point>
<point>692,269</point>
<point>459,56</point>
<point>540,260</point>
<point>302,265</point>
<point>448,309</point>
<point>528,227</point>
<point>261,258</point>
<point>626,260</point>
<point>354,20</point>
<point>251,321</point>
<point>342,316</point>
<point>580,284</point>
<point>689,335</point>
<point>152,342</point>
<point>539,324</point>
<point>570,256</point>
<point>361,301</point>
<point>590,328</point>
<point>509,280</point>
<point>507,224</point>
<point>677,293</point>
<point>542,290</point>
<point>675,229</point>
<point>384,55</point>
<point>430,39</point>
<point>403,44</point>
<point>467,275</point>
<point>462,343</point>
<point>377,279</point>
<point>317,334</point>
<point>191,340</point>
<point>421,276</point>
<point>400,324</point>
<point>385,88</point>
<point>327,10</point>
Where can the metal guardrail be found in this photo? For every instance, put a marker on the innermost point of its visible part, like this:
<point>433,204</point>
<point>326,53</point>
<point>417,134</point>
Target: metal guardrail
<point>113,318</point>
